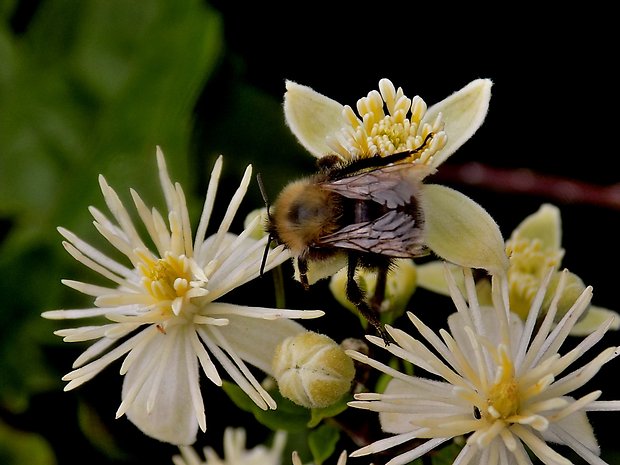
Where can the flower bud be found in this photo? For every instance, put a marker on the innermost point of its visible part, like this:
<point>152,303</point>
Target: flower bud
<point>400,285</point>
<point>258,231</point>
<point>312,370</point>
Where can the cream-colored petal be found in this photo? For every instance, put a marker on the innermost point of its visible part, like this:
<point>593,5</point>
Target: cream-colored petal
<point>311,117</point>
<point>255,340</point>
<point>463,113</point>
<point>544,225</point>
<point>489,325</point>
<point>431,276</point>
<point>578,426</point>
<point>172,418</point>
<point>400,422</point>
<point>460,231</point>
<point>593,319</point>
<point>397,423</point>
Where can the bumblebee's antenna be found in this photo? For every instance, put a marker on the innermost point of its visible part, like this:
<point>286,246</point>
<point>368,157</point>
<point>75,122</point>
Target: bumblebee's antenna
<point>263,193</point>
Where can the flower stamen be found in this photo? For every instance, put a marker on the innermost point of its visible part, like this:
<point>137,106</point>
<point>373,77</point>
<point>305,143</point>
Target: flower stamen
<point>169,281</point>
<point>388,123</point>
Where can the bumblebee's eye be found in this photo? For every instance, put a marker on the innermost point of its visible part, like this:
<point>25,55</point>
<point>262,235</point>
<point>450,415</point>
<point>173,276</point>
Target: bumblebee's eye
<point>301,213</point>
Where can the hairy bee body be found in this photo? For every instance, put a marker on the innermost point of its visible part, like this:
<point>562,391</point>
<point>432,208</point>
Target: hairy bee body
<point>368,209</point>
<point>373,212</point>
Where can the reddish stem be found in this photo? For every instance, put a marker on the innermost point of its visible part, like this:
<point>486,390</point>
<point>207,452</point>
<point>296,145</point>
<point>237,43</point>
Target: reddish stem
<point>526,181</point>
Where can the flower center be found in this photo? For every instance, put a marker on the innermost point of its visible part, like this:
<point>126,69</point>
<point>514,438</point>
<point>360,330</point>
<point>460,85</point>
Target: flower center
<point>528,263</point>
<point>167,278</point>
<point>388,123</point>
<point>503,397</point>
<point>170,281</point>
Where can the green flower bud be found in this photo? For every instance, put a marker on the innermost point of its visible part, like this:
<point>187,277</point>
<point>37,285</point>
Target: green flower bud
<point>312,370</point>
<point>400,286</point>
<point>258,228</point>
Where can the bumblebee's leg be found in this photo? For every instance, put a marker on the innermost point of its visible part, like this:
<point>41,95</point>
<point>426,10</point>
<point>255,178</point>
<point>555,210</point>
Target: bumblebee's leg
<point>357,298</point>
<point>302,266</point>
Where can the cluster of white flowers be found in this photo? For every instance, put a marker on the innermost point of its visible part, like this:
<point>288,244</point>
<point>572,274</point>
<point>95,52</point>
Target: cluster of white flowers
<point>497,376</point>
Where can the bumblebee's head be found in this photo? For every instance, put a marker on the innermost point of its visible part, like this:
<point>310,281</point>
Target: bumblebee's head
<point>302,213</point>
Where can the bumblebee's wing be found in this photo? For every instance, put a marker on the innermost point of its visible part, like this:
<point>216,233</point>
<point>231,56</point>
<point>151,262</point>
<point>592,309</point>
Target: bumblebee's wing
<point>395,234</point>
<point>398,232</point>
<point>391,186</point>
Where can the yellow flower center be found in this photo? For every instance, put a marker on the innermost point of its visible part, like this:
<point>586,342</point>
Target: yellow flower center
<point>503,397</point>
<point>528,264</point>
<point>377,132</point>
<point>167,278</point>
<point>169,281</point>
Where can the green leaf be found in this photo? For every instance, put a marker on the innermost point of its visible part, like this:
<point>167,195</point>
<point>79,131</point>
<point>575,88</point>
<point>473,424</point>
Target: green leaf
<point>28,285</point>
<point>18,447</point>
<point>120,78</point>
<point>319,414</point>
<point>447,454</point>
<point>97,432</point>
<point>89,87</point>
<point>322,442</point>
<point>288,416</point>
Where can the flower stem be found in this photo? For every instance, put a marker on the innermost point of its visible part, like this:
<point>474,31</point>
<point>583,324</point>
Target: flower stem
<point>278,284</point>
<point>525,181</point>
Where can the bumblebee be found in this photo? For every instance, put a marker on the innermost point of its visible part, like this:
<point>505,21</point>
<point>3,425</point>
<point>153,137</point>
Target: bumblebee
<point>369,209</point>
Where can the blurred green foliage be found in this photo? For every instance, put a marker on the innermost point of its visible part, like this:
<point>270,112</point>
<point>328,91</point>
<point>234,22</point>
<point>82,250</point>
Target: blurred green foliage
<point>86,87</point>
<point>89,88</point>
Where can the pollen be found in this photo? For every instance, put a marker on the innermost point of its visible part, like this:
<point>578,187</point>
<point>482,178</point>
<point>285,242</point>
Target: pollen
<point>503,397</point>
<point>168,280</point>
<point>388,122</point>
<point>529,261</point>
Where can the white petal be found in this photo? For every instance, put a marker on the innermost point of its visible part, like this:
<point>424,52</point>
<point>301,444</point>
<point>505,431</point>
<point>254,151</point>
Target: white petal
<point>578,426</point>
<point>397,423</point>
<point>261,313</point>
<point>172,418</point>
<point>255,340</point>
<point>490,328</point>
<point>460,231</point>
<point>311,117</point>
<point>463,113</point>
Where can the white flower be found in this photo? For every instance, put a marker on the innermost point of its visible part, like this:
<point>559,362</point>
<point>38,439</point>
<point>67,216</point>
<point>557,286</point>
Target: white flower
<point>235,452</point>
<point>324,126</point>
<point>502,382</point>
<point>533,247</point>
<point>456,228</point>
<point>164,311</point>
